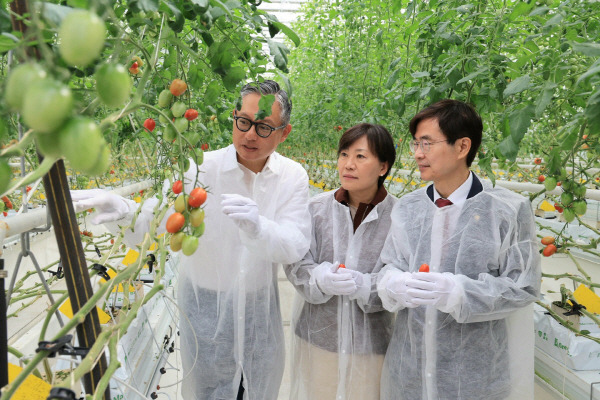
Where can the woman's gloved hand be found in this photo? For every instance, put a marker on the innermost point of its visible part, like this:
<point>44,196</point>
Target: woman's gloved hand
<point>109,206</point>
<point>243,211</point>
<point>333,281</point>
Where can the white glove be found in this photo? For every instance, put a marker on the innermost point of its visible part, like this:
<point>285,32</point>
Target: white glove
<point>363,285</point>
<point>433,288</point>
<point>392,290</point>
<point>243,211</point>
<point>109,206</point>
<point>333,281</point>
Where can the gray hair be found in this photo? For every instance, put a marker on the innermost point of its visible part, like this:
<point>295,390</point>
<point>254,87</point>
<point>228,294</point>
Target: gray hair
<point>271,87</point>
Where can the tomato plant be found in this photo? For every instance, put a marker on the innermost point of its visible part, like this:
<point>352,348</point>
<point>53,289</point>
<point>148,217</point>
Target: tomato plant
<point>178,87</point>
<point>197,197</point>
<point>177,187</point>
<point>175,222</point>
<point>81,37</point>
<point>149,124</point>
<point>113,84</point>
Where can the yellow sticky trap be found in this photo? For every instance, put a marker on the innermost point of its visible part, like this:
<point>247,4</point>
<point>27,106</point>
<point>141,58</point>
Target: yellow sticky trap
<point>589,299</point>
<point>67,310</point>
<point>547,206</point>
<point>32,388</point>
<point>119,287</point>
<point>130,257</point>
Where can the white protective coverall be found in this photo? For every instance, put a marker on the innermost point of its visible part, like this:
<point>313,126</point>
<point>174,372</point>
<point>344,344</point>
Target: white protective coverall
<point>339,342</point>
<point>482,346</point>
<point>230,320</point>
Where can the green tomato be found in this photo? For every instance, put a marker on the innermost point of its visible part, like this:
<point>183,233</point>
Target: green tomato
<point>176,241</point>
<point>164,98</point>
<point>181,203</point>
<point>199,156</point>
<point>47,105</point>
<point>47,144</point>
<point>5,175</point>
<point>18,81</point>
<point>189,245</point>
<point>197,217</point>
<point>550,183</point>
<point>580,191</point>
<point>193,138</point>
<point>170,133</point>
<point>113,84</point>
<point>566,199</point>
<point>181,124</point>
<point>102,162</point>
<point>568,185</point>
<point>569,214</point>
<point>81,37</point>
<point>178,109</point>
<point>80,141</point>
<point>580,207</point>
<point>199,230</point>
<point>563,174</point>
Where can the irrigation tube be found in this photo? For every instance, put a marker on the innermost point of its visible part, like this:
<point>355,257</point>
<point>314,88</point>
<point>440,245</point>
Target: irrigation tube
<point>26,222</point>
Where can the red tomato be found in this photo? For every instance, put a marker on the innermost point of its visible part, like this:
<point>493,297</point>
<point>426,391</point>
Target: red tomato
<point>191,114</point>
<point>175,222</point>
<point>342,266</point>
<point>7,202</point>
<point>178,87</point>
<point>177,187</point>
<point>538,161</point>
<point>558,207</point>
<point>197,197</point>
<point>541,178</point>
<point>424,268</point>
<point>150,124</point>
<point>549,250</point>
<point>548,240</point>
<point>204,146</point>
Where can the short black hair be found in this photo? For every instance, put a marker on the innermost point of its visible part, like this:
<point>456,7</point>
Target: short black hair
<point>380,142</point>
<point>456,120</point>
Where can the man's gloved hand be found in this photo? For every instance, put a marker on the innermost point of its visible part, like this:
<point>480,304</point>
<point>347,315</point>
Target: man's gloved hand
<point>243,211</point>
<point>332,281</point>
<point>392,289</point>
<point>109,206</point>
<point>431,288</point>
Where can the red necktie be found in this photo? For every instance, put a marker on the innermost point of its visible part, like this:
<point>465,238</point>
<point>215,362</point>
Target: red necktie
<point>441,202</point>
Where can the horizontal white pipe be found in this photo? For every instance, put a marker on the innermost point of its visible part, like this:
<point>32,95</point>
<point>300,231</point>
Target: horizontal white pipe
<point>32,219</point>
<point>591,194</point>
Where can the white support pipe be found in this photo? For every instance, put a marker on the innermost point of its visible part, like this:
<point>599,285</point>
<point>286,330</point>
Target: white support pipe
<point>25,222</point>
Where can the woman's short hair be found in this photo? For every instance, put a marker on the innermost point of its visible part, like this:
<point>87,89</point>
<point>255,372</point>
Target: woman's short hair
<point>380,142</point>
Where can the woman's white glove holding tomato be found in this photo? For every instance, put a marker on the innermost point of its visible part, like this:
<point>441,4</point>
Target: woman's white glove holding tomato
<point>109,206</point>
<point>243,211</point>
<point>333,281</point>
<point>393,290</point>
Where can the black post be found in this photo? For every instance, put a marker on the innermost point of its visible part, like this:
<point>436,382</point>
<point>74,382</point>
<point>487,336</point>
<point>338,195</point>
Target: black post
<point>3,328</point>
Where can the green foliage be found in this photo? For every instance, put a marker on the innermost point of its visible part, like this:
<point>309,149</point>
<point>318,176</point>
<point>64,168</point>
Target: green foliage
<point>531,69</point>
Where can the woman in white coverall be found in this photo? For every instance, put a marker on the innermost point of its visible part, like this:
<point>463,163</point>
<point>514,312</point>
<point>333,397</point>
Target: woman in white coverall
<point>232,343</point>
<point>464,330</point>
<point>341,330</point>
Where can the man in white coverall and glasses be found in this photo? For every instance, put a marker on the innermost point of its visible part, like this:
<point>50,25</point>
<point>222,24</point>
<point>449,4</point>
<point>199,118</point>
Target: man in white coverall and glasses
<point>464,330</point>
<point>232,343</point>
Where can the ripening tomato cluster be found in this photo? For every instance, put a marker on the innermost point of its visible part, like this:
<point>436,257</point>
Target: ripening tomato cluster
<point>47,104</point>
<point>572,199</point>
<point>550,248</point>
<point>188,212</point>
<point>5,204</point>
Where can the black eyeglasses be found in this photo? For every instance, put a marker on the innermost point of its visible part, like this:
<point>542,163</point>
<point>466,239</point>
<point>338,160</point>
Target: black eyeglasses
<point>263,130</point>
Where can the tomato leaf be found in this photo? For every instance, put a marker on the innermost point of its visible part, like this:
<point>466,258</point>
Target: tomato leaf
<point>545,99</point>
<point>589,49</point>
<point>279,51</point>
<point>213,91</point>
<point>6,44</point>
<point>392,79</point>
<point>265,105</point>
<point>518,85</point>
<point>286,30</point>
<point>509,148</point>
<point>233,77</point>
<point>520,121</point>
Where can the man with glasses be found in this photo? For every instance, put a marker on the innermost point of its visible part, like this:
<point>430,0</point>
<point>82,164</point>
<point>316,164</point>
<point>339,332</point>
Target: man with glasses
<point>232,343</point>
<point>462,269</point>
